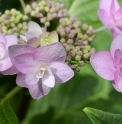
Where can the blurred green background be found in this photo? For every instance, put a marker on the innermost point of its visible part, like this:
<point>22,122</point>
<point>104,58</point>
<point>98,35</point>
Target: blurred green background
<point>65,103</point>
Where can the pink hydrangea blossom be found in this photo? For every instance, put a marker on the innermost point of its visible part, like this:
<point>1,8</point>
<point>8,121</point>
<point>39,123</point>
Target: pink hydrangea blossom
<point>6,66</point>
<point>108,65</point>
<point>110,14</point>
<point>40,68</point>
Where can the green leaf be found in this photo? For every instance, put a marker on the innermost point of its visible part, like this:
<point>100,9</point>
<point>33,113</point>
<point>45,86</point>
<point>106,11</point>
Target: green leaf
<point>7,115</point>
<point>100,117</point>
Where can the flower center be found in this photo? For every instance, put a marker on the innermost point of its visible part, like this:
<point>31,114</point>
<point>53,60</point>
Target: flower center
<point>47,41</point>
<point>41,72</point>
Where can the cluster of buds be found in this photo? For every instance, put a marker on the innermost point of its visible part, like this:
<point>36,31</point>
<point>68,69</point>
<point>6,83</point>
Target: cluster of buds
<point>75,38</point>
<point>46,11</point>
<point>13,22</point>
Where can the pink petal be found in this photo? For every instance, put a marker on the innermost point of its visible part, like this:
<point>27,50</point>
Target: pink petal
<point>105,19</point>
<point>16,50</point>
<point>38,90</point>
<point>102,63</point>
<point>116,31</point>
<point>20,80</point>
<point>2,39</point>
<point>11,71</point>
<point>25,63</point>
<point>108,5</point>
<point>31,78</point>
<point>11,40</point>
<point>48,78</point>
<point>117,76</point>
<point>114,6</point>
<point>6,64</point>
<point>118,16</point>
<point>2,50</point>
<point>61,71</point>
<point>116,44</point>
<point>117,58</point>
<point>50,53</point>
<point>118,85</point>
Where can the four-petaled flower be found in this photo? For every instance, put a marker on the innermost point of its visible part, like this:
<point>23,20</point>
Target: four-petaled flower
<point>40,68</point>
<point>6,66</point>
<point>110,14</point>
<point>36,37</point>
<point>108,65</point>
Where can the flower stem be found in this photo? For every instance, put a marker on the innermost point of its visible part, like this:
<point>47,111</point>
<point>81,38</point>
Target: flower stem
<point>99,29</point>
<point>11,94</point>
<point>22,4</point>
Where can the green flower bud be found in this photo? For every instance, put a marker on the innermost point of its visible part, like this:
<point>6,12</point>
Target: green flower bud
<point>85,51</point>
<point>78,58</point>
<point>85,26</point>
<point>12,19</point>
<point>79,35</point>
<point>86,56</point>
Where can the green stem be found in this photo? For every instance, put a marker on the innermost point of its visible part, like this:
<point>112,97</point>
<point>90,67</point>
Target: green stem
<point>23,4</point>
<point>99,29</point>
<point>11,94</point>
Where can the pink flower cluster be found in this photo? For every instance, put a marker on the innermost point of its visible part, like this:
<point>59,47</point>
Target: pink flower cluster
<point>37,69</point>
<point>110,14</point>
<point>107,64</point>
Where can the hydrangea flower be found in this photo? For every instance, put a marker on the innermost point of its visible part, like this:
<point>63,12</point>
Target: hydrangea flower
<point>108,65</point>
<point>6,66</point>
<point>40,68</point>
<point>36,37</point>
<point>110,14</point>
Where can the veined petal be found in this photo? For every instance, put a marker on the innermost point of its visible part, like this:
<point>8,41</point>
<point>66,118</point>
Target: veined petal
<point>31,78</point>
<point>118,16</point>
<point>117,85</point>
<point>102,63</point>
<point>48,78</point>
<point>116,31</point>
<point>6,64</point>
<point>2,39</point>
<point>108,5</point>
<point>20,80</point>
<point>11,71</point>
<point>50,53</point>
<point>11,40</point>
<point>38,90</point>
<point>104,17</point>
<point>2,50</point>
<point>33,26</point>
<point>16,50</point>
<point>61,71</point>
<point>117,58</point>
<point>116,44</point>
<point>25,63</point>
